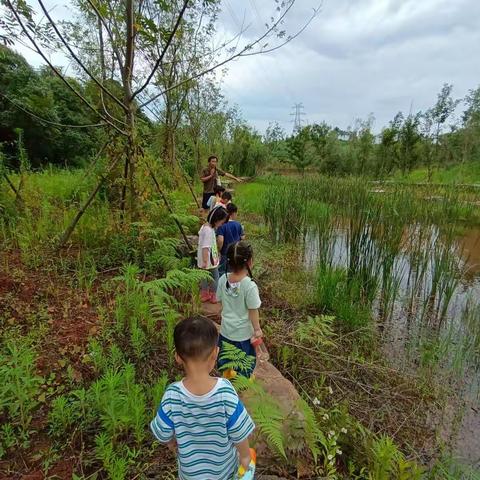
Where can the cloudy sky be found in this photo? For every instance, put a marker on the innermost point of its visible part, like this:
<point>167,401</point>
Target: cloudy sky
<point>357,57</point>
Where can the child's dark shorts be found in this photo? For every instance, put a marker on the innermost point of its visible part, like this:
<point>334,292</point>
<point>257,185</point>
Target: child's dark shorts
<point>246,347</point>
<point>205,199</point>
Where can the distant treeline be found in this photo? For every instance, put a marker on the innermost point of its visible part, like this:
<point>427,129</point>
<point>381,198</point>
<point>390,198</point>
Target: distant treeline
<point>432,139</point>
<point>56,127</point>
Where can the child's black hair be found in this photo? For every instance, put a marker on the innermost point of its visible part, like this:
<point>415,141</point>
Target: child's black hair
<point>217,214</point>
<point>195,338</point>
<point>238,256</point>
<point>227,196</point>
<point>231,208</point>
<point>211,157</point>
<point>218,189</point>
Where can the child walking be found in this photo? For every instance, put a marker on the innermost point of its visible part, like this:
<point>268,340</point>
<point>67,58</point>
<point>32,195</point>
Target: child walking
<point>207,253</point>
<point>230,232</point>
<point>216,198</point>
<point>201,417</point>
<point>240,300</point>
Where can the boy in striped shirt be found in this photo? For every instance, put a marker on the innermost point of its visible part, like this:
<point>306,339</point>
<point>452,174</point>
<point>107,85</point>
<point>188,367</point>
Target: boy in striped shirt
<point>202,415</point>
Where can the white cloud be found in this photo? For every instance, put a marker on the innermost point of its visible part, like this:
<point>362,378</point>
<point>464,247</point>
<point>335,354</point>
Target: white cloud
<point>360,57</point>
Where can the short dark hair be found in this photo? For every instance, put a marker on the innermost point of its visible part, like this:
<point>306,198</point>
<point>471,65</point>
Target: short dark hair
<point>217,214</point>
<point>227,196</point>
<point>218,189</point>
<point>231,208</point>
<point>238,254</point>
<point>211,157</point>
<point>195,338</point>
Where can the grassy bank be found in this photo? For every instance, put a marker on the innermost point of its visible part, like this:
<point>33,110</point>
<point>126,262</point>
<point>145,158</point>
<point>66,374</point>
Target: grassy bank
<point>86,343</point>
<point>463,173</point>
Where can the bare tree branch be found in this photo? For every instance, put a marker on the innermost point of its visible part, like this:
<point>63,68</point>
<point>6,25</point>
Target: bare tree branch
<point>55,70</point>
<point>246,51</point>
<point>109,32</point>
<point>49,122</point>
<point>75,57</point>
<point>165,48</point>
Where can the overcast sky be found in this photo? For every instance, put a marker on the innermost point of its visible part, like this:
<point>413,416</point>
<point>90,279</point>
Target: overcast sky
<point>357,57</point>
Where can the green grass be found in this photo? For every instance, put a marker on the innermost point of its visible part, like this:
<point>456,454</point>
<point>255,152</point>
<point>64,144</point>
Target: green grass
<point>460,173</point>
<point>249,196</point>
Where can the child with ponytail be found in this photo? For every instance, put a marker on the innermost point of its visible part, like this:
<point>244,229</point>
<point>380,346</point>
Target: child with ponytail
<point>240,300</point>
<point>208,257</point>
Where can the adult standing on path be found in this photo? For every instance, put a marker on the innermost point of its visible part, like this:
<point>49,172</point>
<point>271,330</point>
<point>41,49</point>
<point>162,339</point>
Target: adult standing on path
<point>210,178</point>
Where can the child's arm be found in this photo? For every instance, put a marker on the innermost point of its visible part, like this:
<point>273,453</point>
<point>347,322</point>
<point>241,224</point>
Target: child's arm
<point>220,240</point>
<point>205,254</point>
<point>254,317</point>
<point>243,449</point>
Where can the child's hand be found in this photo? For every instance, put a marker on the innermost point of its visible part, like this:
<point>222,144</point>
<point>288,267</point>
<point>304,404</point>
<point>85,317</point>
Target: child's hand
<point>172,445</point>
<point>245,461</point>
<point>258,333</point>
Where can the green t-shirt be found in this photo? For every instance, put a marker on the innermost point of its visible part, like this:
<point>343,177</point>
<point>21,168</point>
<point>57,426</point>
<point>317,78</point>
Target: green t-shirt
<point>236,301</point>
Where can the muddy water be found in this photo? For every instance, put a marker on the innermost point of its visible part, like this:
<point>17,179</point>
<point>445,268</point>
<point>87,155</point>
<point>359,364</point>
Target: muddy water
<point>406,325</point>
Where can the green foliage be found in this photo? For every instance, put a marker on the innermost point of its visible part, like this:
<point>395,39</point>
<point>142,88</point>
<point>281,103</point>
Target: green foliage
<point>316,330</point>
<point>19,390</point>
<point>235,358</point>
<point>44,95</point>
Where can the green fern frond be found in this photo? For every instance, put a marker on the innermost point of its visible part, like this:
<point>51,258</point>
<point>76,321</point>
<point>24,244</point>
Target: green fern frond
<point>235,358</point>
<point>269,420</point>
<point>312,432</point>
<point>316,331</point>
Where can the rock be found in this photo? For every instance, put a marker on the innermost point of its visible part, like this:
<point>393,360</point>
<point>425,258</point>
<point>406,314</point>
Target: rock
<point>212,311</point>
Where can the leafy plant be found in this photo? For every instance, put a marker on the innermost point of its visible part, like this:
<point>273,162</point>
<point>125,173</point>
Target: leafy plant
<point>235,358</point>
<point>19,387</point>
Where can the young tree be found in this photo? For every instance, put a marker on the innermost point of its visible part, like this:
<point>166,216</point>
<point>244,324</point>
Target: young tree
<point>126,34</point>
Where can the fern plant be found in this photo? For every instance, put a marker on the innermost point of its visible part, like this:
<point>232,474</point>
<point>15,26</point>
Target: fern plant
<point>19,386</point>
<point>266,413</point>
<point>316,331</point>
<point>385,458</point>
<point>235,359</point>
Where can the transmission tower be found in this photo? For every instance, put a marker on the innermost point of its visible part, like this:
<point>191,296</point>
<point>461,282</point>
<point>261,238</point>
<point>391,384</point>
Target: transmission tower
<point>297,113</point>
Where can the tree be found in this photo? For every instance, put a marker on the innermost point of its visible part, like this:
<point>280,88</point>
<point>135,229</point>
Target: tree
<point>434,121</point>
<point>409,139</point>
<point>127,33</point>
<point>471,126</point>
<point>39,103</point>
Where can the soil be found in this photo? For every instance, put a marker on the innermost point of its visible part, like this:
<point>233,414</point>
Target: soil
<point>39,299</point>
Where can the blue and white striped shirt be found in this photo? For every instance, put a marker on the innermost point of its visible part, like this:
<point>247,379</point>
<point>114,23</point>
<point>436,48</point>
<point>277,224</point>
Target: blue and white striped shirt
<point>206,428</point>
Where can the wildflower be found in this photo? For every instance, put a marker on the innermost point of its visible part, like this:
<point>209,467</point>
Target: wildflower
<point>325,416</point>
<point>343,430</point>
<point>330,390</point>
<point>331,433</point>
<point>339,452</point>
<point>330,456</point>
<point>316,401</point>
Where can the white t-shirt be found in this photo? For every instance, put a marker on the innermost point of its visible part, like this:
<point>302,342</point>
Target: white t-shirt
<point>207,239</point>
<point>236,301</point>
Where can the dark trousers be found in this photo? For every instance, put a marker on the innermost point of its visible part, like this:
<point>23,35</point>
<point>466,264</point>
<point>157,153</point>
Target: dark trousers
<point>244,346</point>
<point>205,199</point>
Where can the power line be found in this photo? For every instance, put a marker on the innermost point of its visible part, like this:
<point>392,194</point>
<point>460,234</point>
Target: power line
<point>298,113</point>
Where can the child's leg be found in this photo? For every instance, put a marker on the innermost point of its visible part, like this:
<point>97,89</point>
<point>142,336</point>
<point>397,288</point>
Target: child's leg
<point>205,290</point>
<point>214,282</point>
<point>213,285</point>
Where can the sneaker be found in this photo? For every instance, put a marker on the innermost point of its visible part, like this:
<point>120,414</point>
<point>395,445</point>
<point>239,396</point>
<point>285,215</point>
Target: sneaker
<point>229,373</point>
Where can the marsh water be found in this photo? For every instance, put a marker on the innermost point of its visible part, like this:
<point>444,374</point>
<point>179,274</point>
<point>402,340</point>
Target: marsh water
<point>433,317</point>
